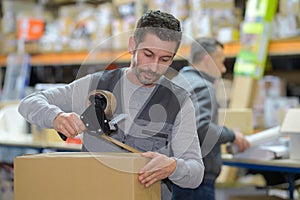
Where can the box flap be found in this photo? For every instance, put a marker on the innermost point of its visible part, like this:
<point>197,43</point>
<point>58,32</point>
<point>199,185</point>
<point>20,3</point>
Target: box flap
<point>291,122</point>
<point>131,162</point>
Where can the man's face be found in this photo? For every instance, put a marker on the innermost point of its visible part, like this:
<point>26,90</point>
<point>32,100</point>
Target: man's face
<point>151,59</point>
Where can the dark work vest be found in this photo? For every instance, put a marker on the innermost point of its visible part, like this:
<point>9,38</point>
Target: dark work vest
<point>166,95</point>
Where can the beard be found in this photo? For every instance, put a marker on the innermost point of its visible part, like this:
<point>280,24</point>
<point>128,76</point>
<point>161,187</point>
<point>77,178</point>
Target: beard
<point>146,77</point>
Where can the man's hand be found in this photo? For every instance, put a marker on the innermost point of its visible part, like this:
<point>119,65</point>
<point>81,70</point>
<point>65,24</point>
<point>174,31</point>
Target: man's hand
<point>241,141</point>
<point>158,168</point>
<point>69,124</point>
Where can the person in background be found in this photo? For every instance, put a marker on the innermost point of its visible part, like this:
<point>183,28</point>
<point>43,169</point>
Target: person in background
<point>207,64</point>
<point>160,117</point>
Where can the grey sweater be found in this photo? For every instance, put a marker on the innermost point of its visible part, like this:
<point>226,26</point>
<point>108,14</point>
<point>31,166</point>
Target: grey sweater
<point>41,108</point>
<point>211,135</point>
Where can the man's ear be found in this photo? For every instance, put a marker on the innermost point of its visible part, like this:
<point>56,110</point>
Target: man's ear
<point>131,45</point>
<point>206,60</point>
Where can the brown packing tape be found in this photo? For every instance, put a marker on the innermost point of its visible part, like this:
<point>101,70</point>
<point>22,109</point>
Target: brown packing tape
<point>110,98</point>
<point>120,144</point>
<point>109,110</point>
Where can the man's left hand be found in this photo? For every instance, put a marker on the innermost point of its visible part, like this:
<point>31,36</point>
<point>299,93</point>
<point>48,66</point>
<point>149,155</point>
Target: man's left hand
<point>158,168</point>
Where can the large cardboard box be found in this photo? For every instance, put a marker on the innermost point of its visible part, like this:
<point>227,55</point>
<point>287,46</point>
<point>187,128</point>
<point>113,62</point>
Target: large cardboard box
<point>240,119</point>
<point>243,92</point>
<point>78,176</point>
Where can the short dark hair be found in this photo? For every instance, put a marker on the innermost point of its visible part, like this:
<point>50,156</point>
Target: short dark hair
<point>203,46</point>
<point>162,24</point>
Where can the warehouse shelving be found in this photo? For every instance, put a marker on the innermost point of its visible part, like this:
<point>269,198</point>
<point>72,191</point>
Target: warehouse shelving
<point>277,48</point>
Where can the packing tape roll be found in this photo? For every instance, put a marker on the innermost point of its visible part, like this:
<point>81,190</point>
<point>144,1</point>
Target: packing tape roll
<point>110,99</point>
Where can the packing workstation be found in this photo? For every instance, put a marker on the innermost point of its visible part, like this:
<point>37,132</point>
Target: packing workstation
<point>48,44</point>
<point>266,154</point>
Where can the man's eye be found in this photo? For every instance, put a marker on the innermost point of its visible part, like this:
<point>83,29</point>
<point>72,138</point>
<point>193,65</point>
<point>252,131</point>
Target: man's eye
<point>166,59</point>
<point>148,54</point>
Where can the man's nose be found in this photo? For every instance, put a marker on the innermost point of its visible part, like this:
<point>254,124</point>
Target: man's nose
<point>154,66</point>
<point>223,69</point>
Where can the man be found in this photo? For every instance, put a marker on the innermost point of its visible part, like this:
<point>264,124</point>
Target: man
<point>160,119</point>
<point>207,59</point>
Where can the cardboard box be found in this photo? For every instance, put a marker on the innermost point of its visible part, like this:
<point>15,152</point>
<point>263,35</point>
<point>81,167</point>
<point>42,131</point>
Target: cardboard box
<point>287,7</point>
<point>216,4</point>
<point>275,109</point>
<point>228,175</point>
<point>243,92</point>
<point>78,176</point>
<point>44,135</point>
<point>291,126</point>
<point>237,119</point>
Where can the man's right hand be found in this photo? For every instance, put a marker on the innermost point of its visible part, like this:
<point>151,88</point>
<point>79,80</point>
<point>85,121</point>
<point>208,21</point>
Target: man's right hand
<point>241,141</point>
<point>69,124</point>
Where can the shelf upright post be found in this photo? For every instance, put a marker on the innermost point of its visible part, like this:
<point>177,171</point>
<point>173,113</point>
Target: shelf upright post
<point>139,8</point>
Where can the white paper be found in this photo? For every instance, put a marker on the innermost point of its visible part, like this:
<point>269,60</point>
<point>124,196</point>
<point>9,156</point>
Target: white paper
<point>258,138</point>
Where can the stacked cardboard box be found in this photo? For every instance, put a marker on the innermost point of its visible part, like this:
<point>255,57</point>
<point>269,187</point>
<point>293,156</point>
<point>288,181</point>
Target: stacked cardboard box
<point>78,176</point>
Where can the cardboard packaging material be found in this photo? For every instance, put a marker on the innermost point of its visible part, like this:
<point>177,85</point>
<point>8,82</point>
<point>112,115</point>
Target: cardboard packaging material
<point>82,175</point>
<point>291,126</point>
<point>237,119</point>
<point>243,92</point>
<point>228,4</point>
<point>240,119</point>
<point>44,135</point>
<point>287,7</point>
<point>275,109</point>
